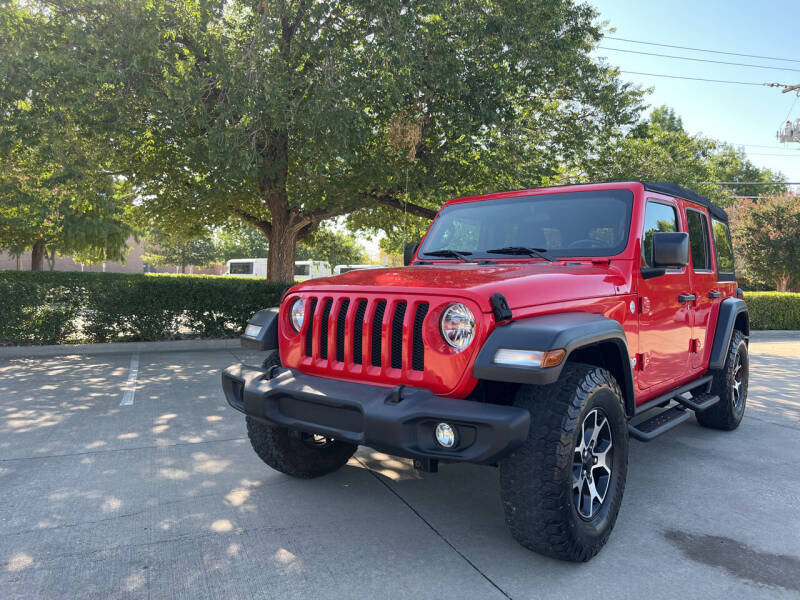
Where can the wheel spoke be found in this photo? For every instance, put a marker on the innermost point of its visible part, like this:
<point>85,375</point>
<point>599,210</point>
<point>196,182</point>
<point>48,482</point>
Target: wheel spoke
<point>602,461</point>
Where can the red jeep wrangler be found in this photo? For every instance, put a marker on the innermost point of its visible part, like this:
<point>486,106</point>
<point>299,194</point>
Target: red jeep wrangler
<point>533,330</point>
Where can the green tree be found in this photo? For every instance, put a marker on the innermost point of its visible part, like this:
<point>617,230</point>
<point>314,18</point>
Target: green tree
<point>168,249</point>
<point>239,240</point>
<point>283,114</point>
<point>765,233</point>
<point>659,149</point>
<point>56,193</point>
<point>337,247</point>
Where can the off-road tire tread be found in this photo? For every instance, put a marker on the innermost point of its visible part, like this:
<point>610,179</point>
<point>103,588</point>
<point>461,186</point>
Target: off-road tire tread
<point>286,453</point>
<point>721,415</point>
<point>531,479</point>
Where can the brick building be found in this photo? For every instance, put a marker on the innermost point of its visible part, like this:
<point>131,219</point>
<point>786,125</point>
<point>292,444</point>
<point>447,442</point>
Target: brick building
<point>133,264</point>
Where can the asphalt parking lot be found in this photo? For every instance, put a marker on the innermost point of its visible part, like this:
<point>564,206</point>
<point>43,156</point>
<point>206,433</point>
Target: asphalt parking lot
<point>157,494</point>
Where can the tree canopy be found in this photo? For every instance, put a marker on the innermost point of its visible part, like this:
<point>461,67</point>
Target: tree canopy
<point>56,194</point>
<point>336,247</point>
<point>766,234</point>
<point>660,149</point>
<point>283,114</point>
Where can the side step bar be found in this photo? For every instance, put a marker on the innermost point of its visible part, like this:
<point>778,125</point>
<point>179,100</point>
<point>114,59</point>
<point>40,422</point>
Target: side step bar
<point>674,415</point>
<point>671,394</point>
<point>698,403</point>
<point>661,423</point>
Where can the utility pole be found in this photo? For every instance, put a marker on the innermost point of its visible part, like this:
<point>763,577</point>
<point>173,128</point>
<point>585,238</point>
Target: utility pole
<point>790,131</point>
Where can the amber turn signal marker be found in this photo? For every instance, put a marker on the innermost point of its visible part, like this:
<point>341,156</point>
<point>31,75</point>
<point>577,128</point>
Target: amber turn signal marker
<point>553,358</point>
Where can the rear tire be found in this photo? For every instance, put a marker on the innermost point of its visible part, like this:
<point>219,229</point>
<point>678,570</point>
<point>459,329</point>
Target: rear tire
<point>295,453</point>
<point>548,485</point>
<point>730,384</point>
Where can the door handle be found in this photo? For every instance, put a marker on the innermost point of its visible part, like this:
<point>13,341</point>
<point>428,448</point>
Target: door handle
<point>714,294</point>
<point>687,298</point>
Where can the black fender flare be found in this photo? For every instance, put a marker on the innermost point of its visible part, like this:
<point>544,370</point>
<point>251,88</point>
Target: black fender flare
<point>729,311</point>
<point>568,331</point>
<point>266,338</point>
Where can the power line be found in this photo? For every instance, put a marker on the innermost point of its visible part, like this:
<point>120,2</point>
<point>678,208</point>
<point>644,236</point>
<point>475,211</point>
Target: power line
<point>696,78</point>
<point>619,39</point>
<point>703,60</point>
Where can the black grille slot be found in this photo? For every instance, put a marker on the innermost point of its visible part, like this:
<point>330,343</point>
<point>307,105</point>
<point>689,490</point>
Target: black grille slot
<point>397,335</point>
<point>310,331</point>
<point>377,322</point>
<point>340,329</point>
<point>323,329</point>
<point>418,348</point>
<point>358,330</point>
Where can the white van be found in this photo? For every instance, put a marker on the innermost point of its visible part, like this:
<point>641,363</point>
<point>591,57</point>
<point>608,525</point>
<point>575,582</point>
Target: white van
<point>339,269</point>
<point>311,269</point>
<point>246,267</point>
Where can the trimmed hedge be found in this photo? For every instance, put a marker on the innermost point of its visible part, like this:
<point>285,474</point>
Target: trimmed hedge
<point>67,307</point>
<point>51,307</point>
<point>773,310</point>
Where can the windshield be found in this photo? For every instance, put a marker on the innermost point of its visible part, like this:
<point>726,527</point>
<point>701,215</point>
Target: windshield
<point>302,269</point>
<point>594,223</point>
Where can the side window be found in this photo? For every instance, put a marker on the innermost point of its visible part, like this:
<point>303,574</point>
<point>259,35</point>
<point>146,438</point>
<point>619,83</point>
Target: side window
<point>698,240</point>
<point>722,245</point>
<point>657,217</point>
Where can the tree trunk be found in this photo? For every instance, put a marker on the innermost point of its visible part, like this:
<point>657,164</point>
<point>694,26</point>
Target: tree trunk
<point>782,285</point>
<point>282,242</point>
<point>37,255</point>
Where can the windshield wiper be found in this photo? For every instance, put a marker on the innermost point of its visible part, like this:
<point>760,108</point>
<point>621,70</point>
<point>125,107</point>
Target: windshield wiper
<point>540,252</point>
<point>454,253</point>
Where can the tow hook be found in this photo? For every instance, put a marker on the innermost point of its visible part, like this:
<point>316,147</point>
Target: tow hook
<point>396,395</point>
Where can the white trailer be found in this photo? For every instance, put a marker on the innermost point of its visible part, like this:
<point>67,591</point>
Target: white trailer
<point>311,269</point>
<point>339,269</point>
<point>246,267</point>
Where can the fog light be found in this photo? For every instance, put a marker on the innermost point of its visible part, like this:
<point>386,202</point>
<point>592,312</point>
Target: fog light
<point>445,435</point>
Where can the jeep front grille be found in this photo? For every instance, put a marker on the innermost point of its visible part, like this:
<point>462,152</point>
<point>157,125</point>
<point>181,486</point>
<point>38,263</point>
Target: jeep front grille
<point>345,326</point>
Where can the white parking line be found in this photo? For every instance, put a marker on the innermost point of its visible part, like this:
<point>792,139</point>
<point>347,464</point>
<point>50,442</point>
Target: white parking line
<point>129,389</point>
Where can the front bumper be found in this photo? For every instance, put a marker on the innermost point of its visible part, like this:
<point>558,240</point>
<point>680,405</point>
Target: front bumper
<point>399,422</point>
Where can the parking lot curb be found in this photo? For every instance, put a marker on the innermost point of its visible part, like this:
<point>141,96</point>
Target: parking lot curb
<point>118,348</point>
<point>775,335</point>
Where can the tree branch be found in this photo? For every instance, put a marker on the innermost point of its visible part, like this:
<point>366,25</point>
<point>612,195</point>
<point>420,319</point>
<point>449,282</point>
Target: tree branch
<point>260,224</point>
<point>397,203</point>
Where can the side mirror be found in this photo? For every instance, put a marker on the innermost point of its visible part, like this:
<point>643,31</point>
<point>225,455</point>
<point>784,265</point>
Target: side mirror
<point>408,253</point>
<point>670,250</point>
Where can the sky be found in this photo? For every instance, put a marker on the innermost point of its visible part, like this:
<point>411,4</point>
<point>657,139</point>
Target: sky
<point>742,115</point>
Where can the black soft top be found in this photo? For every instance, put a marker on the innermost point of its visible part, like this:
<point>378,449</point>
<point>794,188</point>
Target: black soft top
<point>678,191</point>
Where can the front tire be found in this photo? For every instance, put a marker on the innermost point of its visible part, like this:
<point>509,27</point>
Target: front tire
<point>730,384</point>
<point>562,489</point>
<point>296,453</point>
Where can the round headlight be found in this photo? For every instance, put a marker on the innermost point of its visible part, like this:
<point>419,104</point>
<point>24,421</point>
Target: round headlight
<point>458,326</point>
<point>297,313</point>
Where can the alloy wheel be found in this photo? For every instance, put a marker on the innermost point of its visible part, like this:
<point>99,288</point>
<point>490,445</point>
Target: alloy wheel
<point>591,464</point>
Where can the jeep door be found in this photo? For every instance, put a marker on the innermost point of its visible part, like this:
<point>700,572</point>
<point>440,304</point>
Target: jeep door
<point>704,283</point>
<point>665,325</point>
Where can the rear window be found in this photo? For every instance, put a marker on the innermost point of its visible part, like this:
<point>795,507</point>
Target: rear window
<point>698,240</point>
<point>241,268</point>
<point>302,270</point>
<point>722,246</point>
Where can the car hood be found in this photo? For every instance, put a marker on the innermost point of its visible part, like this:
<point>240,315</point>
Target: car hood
<point>523,284</point>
